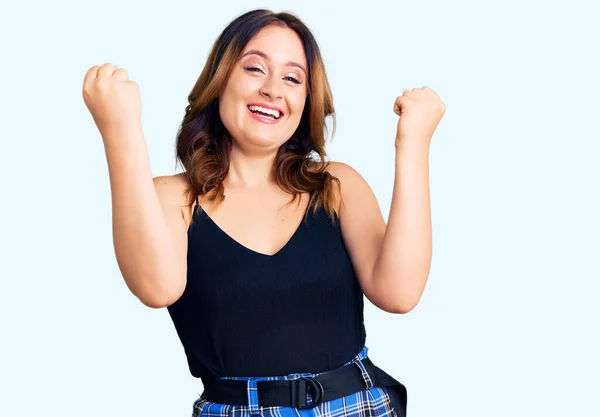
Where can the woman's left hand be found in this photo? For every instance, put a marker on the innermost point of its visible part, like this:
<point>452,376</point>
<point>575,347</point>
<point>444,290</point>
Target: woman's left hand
<point>420,111</point>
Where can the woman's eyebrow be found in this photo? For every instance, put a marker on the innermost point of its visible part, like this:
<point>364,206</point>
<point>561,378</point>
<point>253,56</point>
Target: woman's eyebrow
<point>265,56</point>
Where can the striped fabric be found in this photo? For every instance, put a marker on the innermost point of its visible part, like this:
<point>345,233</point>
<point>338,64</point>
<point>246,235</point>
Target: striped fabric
<point>371,402</point>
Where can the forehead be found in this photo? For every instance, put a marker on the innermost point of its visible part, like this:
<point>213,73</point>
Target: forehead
<point>280,44</point>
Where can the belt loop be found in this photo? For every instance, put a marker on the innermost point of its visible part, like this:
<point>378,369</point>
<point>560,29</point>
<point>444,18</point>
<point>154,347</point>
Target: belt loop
<point>252,391</point>
<point>365,374</point>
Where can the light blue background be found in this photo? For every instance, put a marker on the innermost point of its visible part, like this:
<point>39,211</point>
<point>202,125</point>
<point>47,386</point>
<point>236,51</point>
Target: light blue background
<point>508,323</point>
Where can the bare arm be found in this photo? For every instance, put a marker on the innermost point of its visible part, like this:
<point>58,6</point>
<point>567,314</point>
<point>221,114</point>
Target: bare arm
<point>391,260</point>
<point>149,231</point>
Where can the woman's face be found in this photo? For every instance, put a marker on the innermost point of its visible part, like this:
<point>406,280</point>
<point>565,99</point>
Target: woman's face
<point>270,73</point>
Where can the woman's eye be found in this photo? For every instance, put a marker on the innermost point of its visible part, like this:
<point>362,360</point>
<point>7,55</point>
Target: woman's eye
<point>293,80</point>
<point>252,69</point>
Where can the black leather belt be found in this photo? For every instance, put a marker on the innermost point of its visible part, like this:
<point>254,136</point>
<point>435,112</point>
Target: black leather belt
<point>330,385</point>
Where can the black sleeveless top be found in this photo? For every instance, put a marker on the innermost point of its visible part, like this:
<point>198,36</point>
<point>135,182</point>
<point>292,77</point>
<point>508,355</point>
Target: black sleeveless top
<point>244,313</point>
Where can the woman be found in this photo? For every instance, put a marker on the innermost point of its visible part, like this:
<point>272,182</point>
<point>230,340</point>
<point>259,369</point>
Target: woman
<point>267,296</point>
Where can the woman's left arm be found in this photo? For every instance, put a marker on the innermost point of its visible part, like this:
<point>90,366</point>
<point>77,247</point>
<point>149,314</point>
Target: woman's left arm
<point>402,265</point>
<point>392,261</point>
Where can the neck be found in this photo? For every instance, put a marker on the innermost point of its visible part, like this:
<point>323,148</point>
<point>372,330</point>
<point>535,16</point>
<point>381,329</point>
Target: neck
<point>250,170</point>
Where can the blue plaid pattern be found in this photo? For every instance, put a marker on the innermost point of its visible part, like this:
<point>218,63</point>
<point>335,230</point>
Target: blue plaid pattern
<point>371,402</point>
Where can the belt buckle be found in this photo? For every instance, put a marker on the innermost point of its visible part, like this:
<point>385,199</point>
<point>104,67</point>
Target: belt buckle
<point>299,390</point>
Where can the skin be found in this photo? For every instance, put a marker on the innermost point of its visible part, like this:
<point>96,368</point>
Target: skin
<point>256,79</point>
<point>256,212</point>
<point>391,263</point>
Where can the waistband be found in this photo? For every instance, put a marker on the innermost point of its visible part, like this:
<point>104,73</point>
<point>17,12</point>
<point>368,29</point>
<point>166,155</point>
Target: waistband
<point>301,390</point>
<point>361,355</point>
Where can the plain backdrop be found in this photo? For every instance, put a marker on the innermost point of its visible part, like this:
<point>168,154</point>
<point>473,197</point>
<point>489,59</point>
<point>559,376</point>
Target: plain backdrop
<point>508,322</point>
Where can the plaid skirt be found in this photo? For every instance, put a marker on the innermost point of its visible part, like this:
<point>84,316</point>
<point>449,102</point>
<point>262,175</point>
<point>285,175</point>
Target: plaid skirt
<point>371,402</point>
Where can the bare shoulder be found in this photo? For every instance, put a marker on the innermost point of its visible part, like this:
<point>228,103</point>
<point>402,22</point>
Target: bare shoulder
<point>171,191</point>
<point>341,170</point>
<point>349,177</point>
<point>352,184</point>
<point>171,187</point>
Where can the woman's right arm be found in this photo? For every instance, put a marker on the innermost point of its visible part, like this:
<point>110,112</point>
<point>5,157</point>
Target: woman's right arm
<point>149,231</point>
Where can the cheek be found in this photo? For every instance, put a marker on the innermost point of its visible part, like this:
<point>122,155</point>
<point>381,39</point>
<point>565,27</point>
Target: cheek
<point>297,103</point>
<point>227,112</point>
<point>229,102</point>
<point>234,90</point>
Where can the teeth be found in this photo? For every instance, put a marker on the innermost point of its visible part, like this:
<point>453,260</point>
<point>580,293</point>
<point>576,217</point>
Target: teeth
<point>274,113</point>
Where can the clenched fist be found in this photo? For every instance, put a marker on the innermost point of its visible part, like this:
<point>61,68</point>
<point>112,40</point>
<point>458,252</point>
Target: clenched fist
<point>420,111</point>
<point>112,99</point>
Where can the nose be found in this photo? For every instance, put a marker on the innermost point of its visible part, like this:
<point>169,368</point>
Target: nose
<point>270,89</point>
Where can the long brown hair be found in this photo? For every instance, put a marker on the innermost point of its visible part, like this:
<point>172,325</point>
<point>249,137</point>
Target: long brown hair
<point>203,144</point>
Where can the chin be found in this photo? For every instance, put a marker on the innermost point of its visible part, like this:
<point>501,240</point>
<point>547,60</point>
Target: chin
<point>266,140</point>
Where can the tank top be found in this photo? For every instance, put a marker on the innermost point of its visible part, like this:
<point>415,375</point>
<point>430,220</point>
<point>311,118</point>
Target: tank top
<point>245,313</point>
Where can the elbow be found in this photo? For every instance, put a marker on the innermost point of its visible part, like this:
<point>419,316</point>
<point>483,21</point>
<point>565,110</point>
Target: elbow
<point>154,302</point>
<point>392,302</point>
<point>395,307</point>
<point>405,306</point>
<point>160,298</point>
<point>402,309</point>
<point>158,301</point>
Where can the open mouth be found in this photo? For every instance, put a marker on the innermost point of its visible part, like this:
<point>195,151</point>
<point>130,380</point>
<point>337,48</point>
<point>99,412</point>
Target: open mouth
<point>268,113</point>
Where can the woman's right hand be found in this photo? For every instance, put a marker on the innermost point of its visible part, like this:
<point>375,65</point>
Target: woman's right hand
<point>112,99</point>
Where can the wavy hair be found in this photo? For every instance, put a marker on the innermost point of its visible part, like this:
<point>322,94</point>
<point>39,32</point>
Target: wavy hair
<point>203,144</point>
